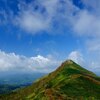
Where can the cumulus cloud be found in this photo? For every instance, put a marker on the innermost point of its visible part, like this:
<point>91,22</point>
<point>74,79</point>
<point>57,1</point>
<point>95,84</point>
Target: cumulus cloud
<point>94,67</point>
<point>31,22</point>
<point>90,63</point>
<point>13,62</point>
<point>93,45</point>
<point>87,24</point>
<point>40,15</point>
<point>77,57</point>
<point>36,16</point>
<point>94,5</point>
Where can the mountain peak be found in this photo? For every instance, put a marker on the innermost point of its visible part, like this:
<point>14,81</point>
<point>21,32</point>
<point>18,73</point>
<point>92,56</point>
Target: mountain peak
<point>70,81</point>
<point>72,66</point>
<point>69,61</point>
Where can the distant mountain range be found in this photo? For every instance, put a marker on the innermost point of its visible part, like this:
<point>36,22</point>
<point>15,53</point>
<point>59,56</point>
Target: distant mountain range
<point>69,82</point>
<point>21,78</point>
<point>13,81</point>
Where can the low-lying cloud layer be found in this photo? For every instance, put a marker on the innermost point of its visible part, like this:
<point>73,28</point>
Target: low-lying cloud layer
<point>12,62</point>
<point>77,57</point>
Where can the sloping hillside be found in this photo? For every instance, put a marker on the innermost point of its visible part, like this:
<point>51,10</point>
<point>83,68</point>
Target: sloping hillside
<point>69,82</point>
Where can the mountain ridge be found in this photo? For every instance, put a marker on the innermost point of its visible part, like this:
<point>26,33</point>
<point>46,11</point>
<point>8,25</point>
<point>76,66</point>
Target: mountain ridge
<point>68,81</point>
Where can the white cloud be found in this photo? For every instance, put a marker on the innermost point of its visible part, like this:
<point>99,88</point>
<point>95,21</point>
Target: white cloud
<point>13,62</point>
<point>77,57</point>
<point>87,24</point>
<point>93,45</point>
<point>95,67</point>
<point>94,5</point>
<point>40,15</point>
<point>31,22</point>
<point>37,16</point>
<point>92,65</point>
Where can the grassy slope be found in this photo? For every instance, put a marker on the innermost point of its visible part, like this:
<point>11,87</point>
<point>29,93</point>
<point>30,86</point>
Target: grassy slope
<point>69,81</point>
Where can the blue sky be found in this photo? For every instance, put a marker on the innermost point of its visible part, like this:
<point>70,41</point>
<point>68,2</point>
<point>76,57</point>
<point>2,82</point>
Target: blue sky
<point>47,32</point>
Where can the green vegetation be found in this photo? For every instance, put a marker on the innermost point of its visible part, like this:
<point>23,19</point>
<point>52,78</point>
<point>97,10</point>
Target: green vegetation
<point>5,88</point>
<point>69,82</point>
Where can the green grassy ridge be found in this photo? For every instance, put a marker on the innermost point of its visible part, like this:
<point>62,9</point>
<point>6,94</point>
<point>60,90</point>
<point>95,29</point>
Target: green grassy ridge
<point>69,82</point>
